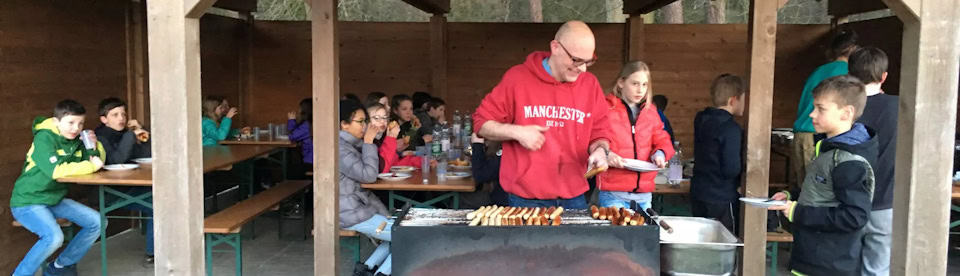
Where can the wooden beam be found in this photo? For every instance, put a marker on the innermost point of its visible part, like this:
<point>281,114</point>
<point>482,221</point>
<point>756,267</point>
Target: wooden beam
<point>245,72</point>
<point>241,6</point>
<point>928,101</point>
<point>431,6</point>
<point>136,56</point>
<point>174,43</point>
<point>643,6</point>
<point>838,8</point>
<point>196,8</point>
<point>326,92</point>
<point>762,34</point>
<point>438,55</point>
<point>634,38</point>
<point>906,10</point>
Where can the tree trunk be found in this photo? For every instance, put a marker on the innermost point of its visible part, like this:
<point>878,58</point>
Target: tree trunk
<point>717,12</point>
<point>536,10</point>
<point>673,13</point>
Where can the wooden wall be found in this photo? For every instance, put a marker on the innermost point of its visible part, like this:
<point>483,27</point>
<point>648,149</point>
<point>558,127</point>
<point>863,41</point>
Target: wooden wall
<point>887,34</point>
<point>223,47</point>
<point>49,52</point>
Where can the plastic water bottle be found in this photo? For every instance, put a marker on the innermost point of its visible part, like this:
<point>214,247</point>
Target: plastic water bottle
<point>441,168</point>
<point>457,124</point>
<point>675,171</point>
<point>445,138</point>
<point>436,147</point>
<point>467,124</point>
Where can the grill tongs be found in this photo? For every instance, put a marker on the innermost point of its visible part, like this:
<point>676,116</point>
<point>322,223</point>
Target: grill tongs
<point>653,215</point>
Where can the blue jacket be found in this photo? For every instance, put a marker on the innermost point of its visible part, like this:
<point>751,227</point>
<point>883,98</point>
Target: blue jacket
<point>717,143</point>
<point>301,133</point>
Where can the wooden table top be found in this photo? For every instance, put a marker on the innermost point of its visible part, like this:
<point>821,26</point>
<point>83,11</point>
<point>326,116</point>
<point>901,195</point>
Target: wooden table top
<point>214,157</point>
<point>277,142</point>
<point>415,183</point>
<point>956,190</point>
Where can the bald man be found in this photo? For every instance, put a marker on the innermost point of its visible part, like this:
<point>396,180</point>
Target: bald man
<point>551,116</point>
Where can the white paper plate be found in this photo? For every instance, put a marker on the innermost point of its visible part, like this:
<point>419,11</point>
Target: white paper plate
<point>402,169</point>
<point>457,175</point>
<point>146,160</point>
<point>121,167</point>
<point>394,176</point>
<point>762,201</point>
<point>639,166</point>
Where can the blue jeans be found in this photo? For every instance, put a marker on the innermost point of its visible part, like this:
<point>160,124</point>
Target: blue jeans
<point>578,202</point>
<point>876,243</point>
<point>42,220</point>
<point>610,199</point>
<point>380,256</point>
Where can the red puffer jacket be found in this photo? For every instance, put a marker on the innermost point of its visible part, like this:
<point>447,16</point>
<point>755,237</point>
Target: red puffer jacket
<point>635,141</point>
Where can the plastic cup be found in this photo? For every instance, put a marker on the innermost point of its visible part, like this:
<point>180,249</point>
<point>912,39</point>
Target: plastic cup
<point>87,142</point>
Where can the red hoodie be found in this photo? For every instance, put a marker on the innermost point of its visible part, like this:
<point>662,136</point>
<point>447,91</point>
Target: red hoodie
<point>390,158</point>
<point>576,114</point>
<point>637,141</point>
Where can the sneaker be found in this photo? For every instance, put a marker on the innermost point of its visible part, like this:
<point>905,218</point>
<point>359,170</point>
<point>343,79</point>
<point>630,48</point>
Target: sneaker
<point>147,261</point>
<point>50,270</point>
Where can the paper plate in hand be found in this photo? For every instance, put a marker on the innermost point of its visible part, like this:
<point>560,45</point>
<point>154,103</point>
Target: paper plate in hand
<point>639,166</point>
<point>146,160</point>
<point>402,169</point>
<point>121,167</point>
<point>394,176</point>
<point>762,201</point>
<point>457,175</point>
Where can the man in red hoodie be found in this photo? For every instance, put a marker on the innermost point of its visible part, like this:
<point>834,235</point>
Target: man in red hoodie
<point>551,114</point>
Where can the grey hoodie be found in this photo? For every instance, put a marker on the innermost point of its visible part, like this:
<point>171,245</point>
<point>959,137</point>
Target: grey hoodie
<point>358,165</point>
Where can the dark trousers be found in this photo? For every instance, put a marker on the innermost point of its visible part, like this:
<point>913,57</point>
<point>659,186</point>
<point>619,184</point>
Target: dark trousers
<point>728,213</point>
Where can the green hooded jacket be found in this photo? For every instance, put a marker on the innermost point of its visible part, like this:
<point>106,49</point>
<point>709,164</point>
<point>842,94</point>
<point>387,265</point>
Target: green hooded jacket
<point>51,156</point>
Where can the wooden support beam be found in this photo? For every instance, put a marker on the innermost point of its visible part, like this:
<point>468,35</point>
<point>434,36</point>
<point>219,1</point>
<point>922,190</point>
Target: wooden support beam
<point>634,38</point>
<point>928,101</point>
<point>431,6</point>
<point>839,8</point>
<point>326,92</point>
<point>438,56</point>
<point>643,6</point>
<point>245,72</point>
<point>136,38</point>
<point>762,34</point>
<point>906,10</point>
<point>174,43</point>
<point>241,6</point>
<point>196,8</point>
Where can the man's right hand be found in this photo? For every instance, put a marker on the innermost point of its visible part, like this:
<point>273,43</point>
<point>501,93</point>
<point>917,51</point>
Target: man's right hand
<point>530,136</point>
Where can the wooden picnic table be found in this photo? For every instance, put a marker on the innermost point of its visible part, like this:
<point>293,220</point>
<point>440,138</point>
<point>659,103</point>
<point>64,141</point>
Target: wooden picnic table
<point>262,142</point>
<point>451,187</point>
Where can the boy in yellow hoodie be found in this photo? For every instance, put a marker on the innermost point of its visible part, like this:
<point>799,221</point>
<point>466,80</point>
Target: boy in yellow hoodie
<point>38,199</point>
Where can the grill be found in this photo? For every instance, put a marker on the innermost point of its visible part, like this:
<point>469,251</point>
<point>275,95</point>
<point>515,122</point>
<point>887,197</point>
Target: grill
<point>440,242</point>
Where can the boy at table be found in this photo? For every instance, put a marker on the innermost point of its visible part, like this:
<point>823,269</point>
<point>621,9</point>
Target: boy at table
<point>124,141</point>
<point>38,199</point>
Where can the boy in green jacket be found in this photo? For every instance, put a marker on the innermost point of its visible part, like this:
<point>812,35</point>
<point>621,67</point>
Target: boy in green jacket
<point>38,199</point>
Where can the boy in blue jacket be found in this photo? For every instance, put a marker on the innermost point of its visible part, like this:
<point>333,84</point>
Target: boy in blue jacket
<point>829,215</point>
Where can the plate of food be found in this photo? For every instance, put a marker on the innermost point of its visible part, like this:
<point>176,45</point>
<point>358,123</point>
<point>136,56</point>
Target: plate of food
<point>460,164</point>
<point>121,167</point>
<point>403,169</point>
<point>639,165</point>
<point>145,160</point>
<point>457,175</point>
<point>395,176</point>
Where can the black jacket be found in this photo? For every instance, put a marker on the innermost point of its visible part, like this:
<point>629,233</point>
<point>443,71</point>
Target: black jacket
<point>487,169</point>
<point>828,240</point>
<point>121,146</point>
<point>880,114</point>
<point>717,143</point>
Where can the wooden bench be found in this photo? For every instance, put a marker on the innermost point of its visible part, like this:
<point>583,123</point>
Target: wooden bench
<point>225,226</point>
<point>774,239</point>
<point>65,226</point>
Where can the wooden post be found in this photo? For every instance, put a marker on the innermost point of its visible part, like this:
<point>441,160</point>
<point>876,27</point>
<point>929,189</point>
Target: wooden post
<point>174,43</point>
<point>928,98</point>
<point>135,29</point>
<point>635,40</point>
<point>438,56</point>
<point>245,72</point>
<point>762,36</point>
<point>326,92</point>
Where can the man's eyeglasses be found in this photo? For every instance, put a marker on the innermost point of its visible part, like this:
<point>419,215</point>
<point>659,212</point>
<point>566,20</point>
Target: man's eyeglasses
<point>578,61</point>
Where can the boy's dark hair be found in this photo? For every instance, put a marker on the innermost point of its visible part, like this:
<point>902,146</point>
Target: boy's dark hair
<point>347,108</point>
<point>420,98</point>
<point>724,87</point>
<point>109,104</point>
<point>435,103</point>
<point>373,97</point>
<point>846,90</point>
<point>351,96</point>
<point>868,64</point>
<point>68,107</point>
<point>843,43</point>
<point>306,110</point>
<point>660,101</point>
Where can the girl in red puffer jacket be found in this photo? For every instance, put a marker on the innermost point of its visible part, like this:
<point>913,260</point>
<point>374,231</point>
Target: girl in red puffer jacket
<point>637,133</point>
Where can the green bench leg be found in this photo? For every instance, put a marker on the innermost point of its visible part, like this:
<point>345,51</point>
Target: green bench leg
<point>234,240</point>
<point>67,233</point>
<point>774,251</point>
<point>353,243</point>
<point>209,253</point>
